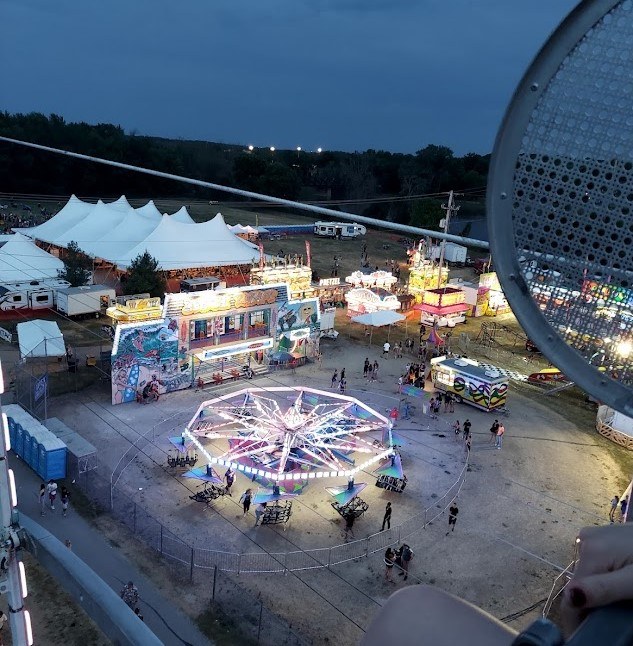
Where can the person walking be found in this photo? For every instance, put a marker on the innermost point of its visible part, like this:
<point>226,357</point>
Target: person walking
<point>467,445</point>
<point>447,402</point>
<point>451,403</point>
<point>335,379</point>
<point>457,430</point>
<point>51,489</point>
<point>129,594</point>
<point>466,428</point>
<point>493,431</point>
<point>390,559</point>
<point>614,506</point>
<point>342,385</point>
<point>246,499</point>
<point>259,512</point>
<point>385,348</point>
<point>349,524</point>
<point>500,431</point>
<point>42,499</point>
<point>230,479</point>
<point>342,374</point>
<point>452,516</point>
<point>386,518</point>
<point>65,498</point>
<point>406,556</point>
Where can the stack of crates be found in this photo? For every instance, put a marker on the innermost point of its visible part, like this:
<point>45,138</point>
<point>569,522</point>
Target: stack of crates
<point>35,444</point>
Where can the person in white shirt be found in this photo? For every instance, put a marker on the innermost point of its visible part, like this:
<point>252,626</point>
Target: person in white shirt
<point>51,488</point>
<point>385,348</point>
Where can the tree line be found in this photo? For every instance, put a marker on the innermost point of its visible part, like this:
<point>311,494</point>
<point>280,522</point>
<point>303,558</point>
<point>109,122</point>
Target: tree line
<point>291,174</point>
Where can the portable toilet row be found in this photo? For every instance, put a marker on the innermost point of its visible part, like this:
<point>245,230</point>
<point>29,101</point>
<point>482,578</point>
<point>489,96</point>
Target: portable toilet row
<point>35,444</point>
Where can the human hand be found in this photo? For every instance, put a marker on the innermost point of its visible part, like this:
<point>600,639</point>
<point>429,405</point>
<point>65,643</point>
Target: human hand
<point>603,574</point>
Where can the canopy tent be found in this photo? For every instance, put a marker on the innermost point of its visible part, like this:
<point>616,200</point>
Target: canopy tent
<point>117,233</point>
<point>236,228</point>
<point>182,215</point>
<point>22,260</point>
<point>379,318</point>
<point>39,338</point>
<point>181,246</point>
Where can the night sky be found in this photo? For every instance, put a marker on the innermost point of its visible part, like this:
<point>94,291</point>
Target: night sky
<point>340,74</point>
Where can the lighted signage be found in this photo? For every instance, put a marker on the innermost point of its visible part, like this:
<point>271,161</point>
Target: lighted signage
<point>329,282</point>
<point>382,279</point>
<point>228,300</point>
<point>299,279</point>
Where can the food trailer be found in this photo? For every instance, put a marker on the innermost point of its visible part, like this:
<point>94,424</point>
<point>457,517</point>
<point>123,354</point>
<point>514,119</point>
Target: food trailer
<point>471,383</point>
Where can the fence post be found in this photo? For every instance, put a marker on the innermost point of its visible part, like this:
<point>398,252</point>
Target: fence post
<point>191,566</point>
<point>259,627</point>
<point>215,576</point>
<point>161,538</point>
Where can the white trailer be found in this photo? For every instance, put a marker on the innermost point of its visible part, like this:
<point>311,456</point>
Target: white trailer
<point>85,300</point>
<point>454,253</point>
<point>340,230</point>
<point>33,295</point>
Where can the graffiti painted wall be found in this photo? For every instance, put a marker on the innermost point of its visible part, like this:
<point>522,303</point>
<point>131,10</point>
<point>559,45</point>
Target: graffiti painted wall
<point>143,354</point>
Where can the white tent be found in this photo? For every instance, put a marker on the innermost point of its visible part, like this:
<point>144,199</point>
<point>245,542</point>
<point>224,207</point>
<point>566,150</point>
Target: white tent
<point>22,260</point>
<point>149,211</point>
<point>180,246</point>
<point>380,318</point>
<point>39,338</point>
<point>71,213</point>
<point>95,225</point>
<point>182,215</point>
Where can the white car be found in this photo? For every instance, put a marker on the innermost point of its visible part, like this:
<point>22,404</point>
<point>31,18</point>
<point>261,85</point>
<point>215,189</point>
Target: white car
<point>442,321</point>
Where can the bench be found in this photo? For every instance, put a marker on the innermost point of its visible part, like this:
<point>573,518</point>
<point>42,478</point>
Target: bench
<point>389,483</point>
<point>356,506</point>
<point>277,513</point>
<point>209,493</point>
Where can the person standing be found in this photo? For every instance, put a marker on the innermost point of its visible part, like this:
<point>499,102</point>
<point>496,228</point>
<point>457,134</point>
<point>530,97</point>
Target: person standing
<point>385,348</point>
<point>386,518</point>
<point>390,558</point>
<point>406,555</point>
<point>467,445</point>
<point>366,367</point>
<point>614,506</point>
<point>466,427</point>
<point>51,488</point>
<point>349,524</point>
<point>129,594</point>
<point>500,431</point>
<point>65,498</point>
<point>230,479</point>
<point>624,503</point>
<point>451,403</point>
<point>447,402</point>
<point>457,430</point>
<point>493,431</point>
<point>400,383</point>
<point>42,499</point>
<point>342,374</point>
<point>342,386</point>
<point>259,512</point>
<point>452,516</point>
<point>334,379</point>
<point>246,499</point>
<point>374,374</point>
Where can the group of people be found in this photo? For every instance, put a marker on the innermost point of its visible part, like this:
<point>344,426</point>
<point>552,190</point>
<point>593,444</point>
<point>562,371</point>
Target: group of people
<point>401,558</point>
<point>497,431</point>
<point>48,492</point>
<point>339,381</point>
<point>130,596</point>
<point>622,504</point>
<point>370,370</point>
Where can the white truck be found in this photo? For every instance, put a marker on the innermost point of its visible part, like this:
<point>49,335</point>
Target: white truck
<point>85,300</point>
<point>340,230</point>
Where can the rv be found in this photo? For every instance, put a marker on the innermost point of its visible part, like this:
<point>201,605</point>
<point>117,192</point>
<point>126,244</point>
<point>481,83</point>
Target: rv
<point>201,284</point>
<point>85,300</point>
<point>33,295</point>
<point>340,230</point>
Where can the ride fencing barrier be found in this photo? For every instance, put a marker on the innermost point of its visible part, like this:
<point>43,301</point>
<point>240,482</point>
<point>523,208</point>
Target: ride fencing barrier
<point>202,565</point>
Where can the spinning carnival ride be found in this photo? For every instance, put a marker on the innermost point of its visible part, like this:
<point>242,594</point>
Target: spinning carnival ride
<point>284,436</point>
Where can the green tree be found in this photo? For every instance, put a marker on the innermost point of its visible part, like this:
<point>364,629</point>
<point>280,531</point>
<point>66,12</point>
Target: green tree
<point>426,214</point>
<point>77,266</point>
<point>144,276</point>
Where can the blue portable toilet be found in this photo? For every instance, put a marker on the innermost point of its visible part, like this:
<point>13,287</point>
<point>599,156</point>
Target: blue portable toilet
<point>33,457</point>
<point>27,443</point>
<point>19,439</point>
<point>52,458</point>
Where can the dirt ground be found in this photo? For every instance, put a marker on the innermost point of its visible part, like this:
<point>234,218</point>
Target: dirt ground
<point>520,508</point>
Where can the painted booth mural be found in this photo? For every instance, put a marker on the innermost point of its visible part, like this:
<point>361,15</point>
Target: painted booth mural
<point>145,357</point>
<point>298,327</point>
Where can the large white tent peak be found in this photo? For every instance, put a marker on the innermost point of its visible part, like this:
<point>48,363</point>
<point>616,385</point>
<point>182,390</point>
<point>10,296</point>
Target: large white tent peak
<point>182,215</point>
<point>149,210</point>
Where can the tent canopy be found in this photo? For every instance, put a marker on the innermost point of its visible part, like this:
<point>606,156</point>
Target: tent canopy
<point>40,338</point>
<point>379,318</point>
<point>22,260</point>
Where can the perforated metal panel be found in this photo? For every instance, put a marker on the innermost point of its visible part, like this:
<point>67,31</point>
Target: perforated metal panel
<point>560,201</point>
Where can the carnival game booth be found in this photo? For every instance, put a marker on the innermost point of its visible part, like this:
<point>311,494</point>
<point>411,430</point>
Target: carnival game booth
<point>426,275</point>
<point>376,280</point>
<point>331,291</point>
<point>211,337</point>
<point>472,383</point>
<point>493,300</point>
<point>296,275</point>
<point>362,301</point>
<point>443,307</point>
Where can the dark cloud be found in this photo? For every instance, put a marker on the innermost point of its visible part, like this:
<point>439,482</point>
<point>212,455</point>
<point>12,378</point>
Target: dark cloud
<point>345,74</point>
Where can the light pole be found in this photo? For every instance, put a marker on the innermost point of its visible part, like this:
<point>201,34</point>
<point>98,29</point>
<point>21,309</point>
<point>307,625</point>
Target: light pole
<point>298,151</point>
<point>449,211</point>
<point>12,576</point>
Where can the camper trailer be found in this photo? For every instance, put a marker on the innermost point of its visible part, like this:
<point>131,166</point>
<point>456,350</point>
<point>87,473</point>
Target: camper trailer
<point>472,383</point>
<point>33,295</point>
<point>340,230</point>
